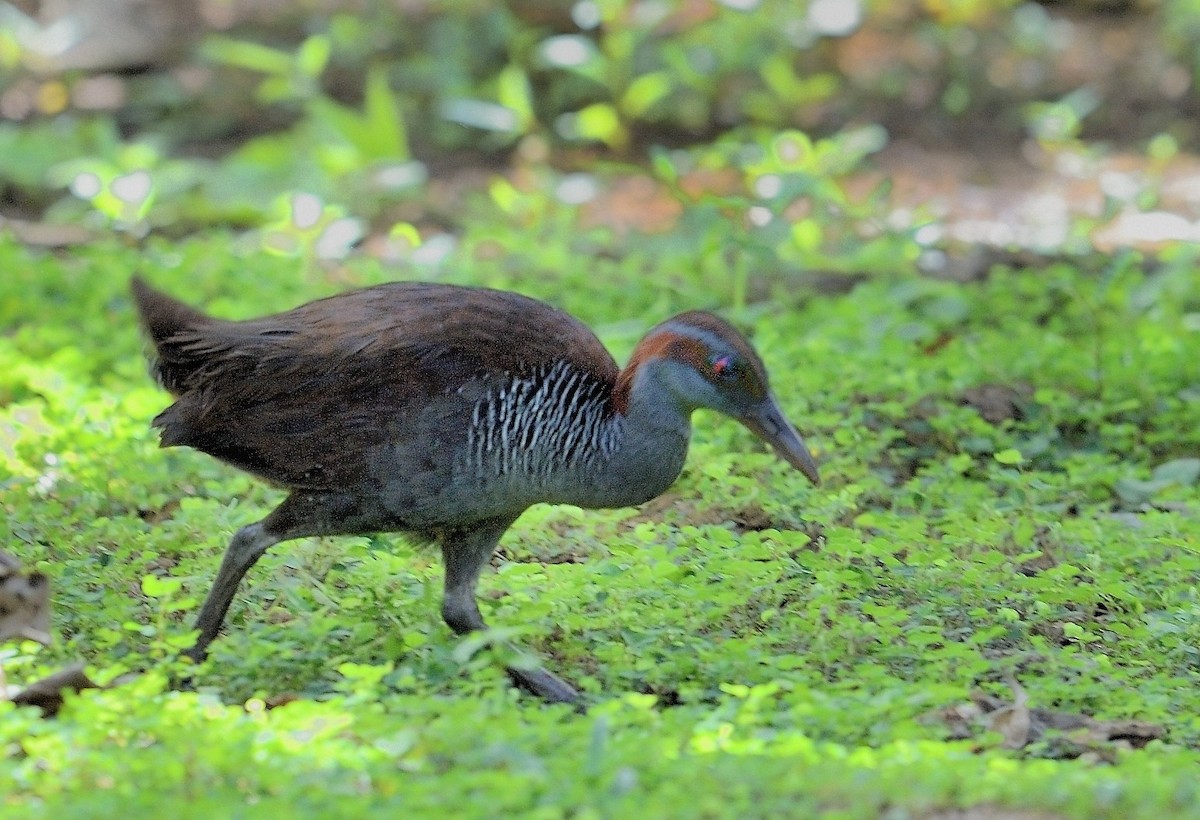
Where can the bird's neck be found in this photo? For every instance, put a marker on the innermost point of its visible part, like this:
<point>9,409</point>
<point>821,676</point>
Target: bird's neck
<point>653,449</point>
<point>649,432</point>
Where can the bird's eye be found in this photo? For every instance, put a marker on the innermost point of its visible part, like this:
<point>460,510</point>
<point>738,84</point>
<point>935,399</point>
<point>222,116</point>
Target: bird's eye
<point>724,367</point>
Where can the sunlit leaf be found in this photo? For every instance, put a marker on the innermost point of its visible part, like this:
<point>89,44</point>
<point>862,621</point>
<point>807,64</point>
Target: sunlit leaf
<point>644,92</point>
<point>247,54</point>
<point>1010,457</point>
<point>600,122</point>
<point>806,234</point>
<point>383,119</point>
<point>313,55</point>
<point>514,93</point>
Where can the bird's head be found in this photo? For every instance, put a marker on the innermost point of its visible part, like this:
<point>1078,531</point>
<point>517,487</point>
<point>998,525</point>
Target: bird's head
<point>704,362</point>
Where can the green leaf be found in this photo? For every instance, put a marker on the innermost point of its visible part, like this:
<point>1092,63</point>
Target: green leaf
<point>806,234</point>
<point>780,76</point>
<point>388,138</point>
<point>600,122</point>
<point>155,587</point>
<point>514,93</point>
<point>313,56</point>
<point>504,194</point>
<point>406,231</point>
<point>1011,457</point>
<point>249,55</point>
<point>377,134</point>
<point>664,168</point>
<point>644,92</point>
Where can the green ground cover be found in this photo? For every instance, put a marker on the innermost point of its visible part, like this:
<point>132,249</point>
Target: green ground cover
<point>1009,506</point>
<point>991,602</point>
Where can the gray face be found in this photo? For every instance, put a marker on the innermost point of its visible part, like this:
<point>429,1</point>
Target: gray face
<point>704,368</point>
<point>720,386</point>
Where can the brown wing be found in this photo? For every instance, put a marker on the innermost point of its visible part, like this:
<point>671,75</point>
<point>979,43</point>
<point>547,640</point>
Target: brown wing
<point>308,398</point>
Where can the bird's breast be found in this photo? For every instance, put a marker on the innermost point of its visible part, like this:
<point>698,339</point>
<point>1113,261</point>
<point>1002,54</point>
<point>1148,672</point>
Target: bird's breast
<point>537,427</point>
<point>507,441</point>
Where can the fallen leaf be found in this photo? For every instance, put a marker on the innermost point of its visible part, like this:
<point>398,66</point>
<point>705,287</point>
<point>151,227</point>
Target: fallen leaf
<point>1013,721</point>
<point>154,515</point>
<point>1067,735</point>
<point>998,403</point>
<point>24,603</point>
<point>47,694</point>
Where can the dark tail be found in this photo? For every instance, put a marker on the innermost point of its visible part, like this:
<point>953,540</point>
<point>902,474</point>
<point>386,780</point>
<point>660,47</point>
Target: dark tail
<point>163,316</point>
<point>173,327</point>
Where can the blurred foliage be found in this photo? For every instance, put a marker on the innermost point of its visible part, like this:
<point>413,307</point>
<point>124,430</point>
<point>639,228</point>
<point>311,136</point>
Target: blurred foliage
<point>350,107</point>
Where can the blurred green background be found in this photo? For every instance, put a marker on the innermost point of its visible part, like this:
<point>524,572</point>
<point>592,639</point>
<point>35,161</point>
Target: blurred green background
<point>327,125</point>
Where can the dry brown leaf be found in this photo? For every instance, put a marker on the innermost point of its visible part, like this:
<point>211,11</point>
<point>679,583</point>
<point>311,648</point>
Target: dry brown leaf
<point>998,403</point>
<point>1013,721</point>
<point>1068,735</point>
<point>47,694</point>
<point>24,603</point>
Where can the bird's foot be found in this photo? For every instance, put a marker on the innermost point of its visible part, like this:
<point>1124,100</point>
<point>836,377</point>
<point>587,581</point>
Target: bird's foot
<point>544,685</point>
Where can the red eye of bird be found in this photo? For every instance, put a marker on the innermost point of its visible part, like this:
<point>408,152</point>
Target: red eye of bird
<point>723,367</point>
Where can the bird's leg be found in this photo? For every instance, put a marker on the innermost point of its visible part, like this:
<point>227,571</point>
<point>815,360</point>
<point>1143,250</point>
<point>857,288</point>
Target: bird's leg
<point>298,516</point>
<point>465,554</point>
<point>247,546</point>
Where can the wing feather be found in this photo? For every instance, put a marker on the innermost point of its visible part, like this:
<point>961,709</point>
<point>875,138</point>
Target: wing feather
<point>306,398</point>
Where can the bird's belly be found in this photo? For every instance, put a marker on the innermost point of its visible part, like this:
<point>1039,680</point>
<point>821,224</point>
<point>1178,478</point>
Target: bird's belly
<point>474,478</point>
<point>441,498</point>
<point>437,494</point>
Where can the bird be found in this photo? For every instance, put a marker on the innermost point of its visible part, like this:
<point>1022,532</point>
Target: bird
<point>442,412</point>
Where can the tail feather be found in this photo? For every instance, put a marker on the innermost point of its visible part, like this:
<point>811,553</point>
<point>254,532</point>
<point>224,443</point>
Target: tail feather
<point>163,316</point>
<point>171,325</point>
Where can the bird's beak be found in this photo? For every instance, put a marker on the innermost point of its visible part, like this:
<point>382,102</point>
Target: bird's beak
<point>767,422</point>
